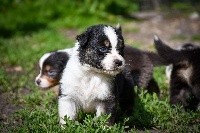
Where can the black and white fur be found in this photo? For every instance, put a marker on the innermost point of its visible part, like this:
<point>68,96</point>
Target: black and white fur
<point>185,75</point>
<point>89,79</point>
<point>51,66</point>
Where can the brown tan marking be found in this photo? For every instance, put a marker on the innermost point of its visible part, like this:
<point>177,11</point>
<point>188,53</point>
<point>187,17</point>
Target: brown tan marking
<point>107,43</point>
<point>186,71</point>
<point>51,81</point>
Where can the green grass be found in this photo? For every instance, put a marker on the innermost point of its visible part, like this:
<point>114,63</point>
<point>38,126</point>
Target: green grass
<point>22,48</point>
<point>39,113</point>
<point>196,37</point>
<point>185,7</point>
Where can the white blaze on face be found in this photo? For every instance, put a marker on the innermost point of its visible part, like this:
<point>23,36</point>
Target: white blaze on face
<point>111,34</point>
<point>108,62</point>
<point>44,82</point>
<point>43,58</point>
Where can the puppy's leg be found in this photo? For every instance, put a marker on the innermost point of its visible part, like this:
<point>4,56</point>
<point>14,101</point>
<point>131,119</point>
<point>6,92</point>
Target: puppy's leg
<point>127,101</point>
<point>195,98</point>
<point>107,107</point>
<point>196,92</point>
<point>127,94</point>
<point>152,87</point>
<point>179,96</point>
<point>127,97</point>
<point>198,106</point>
<point>100,109</point>
<point>186,99</point>
<point>180,92</point>
<point>66,107</point>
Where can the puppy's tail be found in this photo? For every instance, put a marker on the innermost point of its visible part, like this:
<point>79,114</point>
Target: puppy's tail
<point>167,54</point>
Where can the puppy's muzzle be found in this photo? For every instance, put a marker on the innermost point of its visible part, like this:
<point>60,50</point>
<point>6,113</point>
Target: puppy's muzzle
<point>38,81</point>
<point>118,63</point>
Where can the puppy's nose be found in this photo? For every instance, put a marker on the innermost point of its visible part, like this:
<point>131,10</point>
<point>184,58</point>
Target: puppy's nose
<point>118,63</point>
<point>38,81</point>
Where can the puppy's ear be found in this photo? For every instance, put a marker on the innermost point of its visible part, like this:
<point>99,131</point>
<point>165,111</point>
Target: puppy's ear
<point>118,28</point>
<point>83,38</point>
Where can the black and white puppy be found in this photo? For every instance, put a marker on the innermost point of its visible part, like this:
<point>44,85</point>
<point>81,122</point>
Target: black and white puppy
<point>89,81</point>
<point>51,66</point>
<point>185,75</point>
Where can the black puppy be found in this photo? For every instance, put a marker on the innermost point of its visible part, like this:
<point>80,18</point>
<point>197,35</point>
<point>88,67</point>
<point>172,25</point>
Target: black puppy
<point>141,64</point>
<point>185,76</point>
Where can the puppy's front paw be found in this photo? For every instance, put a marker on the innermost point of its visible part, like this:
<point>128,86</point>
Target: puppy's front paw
<point>62,123</point>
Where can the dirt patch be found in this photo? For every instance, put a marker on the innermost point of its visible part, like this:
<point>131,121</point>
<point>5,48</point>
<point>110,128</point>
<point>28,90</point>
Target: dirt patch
<point>174,30</point>
<point>8,107</point>
<point>69,33</point>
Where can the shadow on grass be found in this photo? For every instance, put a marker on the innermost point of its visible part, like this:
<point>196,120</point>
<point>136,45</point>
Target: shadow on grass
<point>141,118</point>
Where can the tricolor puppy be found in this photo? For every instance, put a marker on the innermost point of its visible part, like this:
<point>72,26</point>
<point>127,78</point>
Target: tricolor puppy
<point>95,78</point>
<point>169,68</point>
<point>51,68</point>
<point>185,75</point>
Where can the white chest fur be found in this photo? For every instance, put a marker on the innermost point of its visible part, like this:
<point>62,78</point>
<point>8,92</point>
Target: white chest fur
<point>85,87</point>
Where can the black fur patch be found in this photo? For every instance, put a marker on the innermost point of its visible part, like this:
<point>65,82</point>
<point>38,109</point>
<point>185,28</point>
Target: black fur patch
<point>141,65</point>
<point>125,85</point>
<point>57,62</point>
<point>92,49</point>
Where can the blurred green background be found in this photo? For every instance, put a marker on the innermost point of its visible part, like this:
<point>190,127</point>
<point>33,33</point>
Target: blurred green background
<point>26,16</point>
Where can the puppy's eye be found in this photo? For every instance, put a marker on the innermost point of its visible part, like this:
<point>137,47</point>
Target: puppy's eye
<point>51,73</point>
<point>107,43</point>
<point>103,49</point>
